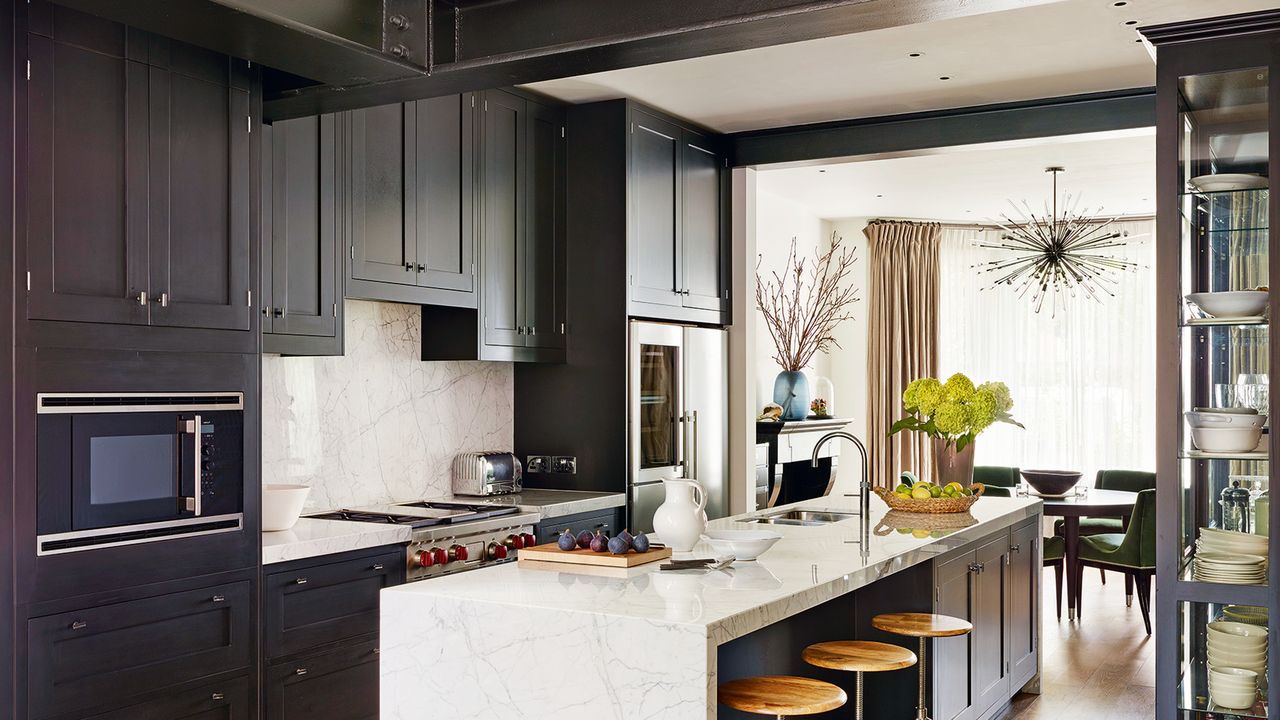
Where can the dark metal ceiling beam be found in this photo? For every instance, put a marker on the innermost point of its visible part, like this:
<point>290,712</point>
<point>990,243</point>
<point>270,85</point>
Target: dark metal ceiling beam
<point>895,134</point>
<point>336,42</point>
<point>479,44</point>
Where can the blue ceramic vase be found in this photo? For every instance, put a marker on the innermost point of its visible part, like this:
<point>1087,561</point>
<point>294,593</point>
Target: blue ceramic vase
<point>791,391</point>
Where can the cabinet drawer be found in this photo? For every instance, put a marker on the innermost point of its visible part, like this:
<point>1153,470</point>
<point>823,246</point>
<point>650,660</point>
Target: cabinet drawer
<point>338,684</point>
<point>608,521</point>
<point>103,655</point>
<point>312,606</point>
<point>229,700</point>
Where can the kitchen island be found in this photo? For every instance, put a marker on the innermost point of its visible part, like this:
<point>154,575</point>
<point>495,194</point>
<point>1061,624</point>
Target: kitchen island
<point>513,642</point>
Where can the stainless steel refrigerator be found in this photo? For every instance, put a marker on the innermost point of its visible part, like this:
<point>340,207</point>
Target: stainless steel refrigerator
<point>678,424</point>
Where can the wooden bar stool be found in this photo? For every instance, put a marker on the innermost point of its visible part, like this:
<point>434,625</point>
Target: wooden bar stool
<point>781,695</point>
<point>923,626</point>
<point>858,656</point>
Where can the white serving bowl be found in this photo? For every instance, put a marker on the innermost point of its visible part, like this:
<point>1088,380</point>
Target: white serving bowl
<point>1234,303</point>
<point>1221,419</point>
<point>1228,410</point>
<point>741,544</point>
<point>1226,439</point>
<point>1241,636</point>
<point>281,505</point>
<point>1233,700</point>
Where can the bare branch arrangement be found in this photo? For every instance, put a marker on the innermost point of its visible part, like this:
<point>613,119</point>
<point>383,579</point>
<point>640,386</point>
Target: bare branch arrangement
<point>802,309</point>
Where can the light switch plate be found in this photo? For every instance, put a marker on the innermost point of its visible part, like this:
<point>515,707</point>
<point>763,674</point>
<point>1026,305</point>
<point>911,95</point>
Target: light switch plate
<point>564,464</point>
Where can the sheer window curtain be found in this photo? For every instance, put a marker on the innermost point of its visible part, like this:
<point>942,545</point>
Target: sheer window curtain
<point>1082,382</point>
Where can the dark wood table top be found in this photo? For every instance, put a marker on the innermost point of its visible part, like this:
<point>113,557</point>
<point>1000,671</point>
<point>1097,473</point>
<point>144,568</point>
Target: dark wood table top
<point>1097,503</point>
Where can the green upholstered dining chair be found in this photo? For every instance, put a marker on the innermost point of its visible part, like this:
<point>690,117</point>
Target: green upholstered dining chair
<point>1128,481</point>
<point>1132,552</point>
<point>998,480</point>
<point>1055,548</point>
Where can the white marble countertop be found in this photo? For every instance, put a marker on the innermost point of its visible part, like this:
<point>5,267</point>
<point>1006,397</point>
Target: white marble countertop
<point>311,537</point>
<point>552,504</point>
<point>811,564</point>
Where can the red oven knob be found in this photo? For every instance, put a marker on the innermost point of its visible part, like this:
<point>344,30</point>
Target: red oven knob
<point>496,551</point>
<point>515,541</point>
<point>457,552</point>
<point>529,540</point>
<point>424,559</point>
<point>438,556</point>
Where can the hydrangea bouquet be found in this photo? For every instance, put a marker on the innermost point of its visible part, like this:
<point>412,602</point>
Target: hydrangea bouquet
<point>954,412</point>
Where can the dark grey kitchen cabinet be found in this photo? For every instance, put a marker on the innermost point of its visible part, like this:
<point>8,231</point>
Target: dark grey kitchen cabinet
<point>137,161</point>
<point>301,269</point>
<point>340,683</point>
<point>676,230</point>
<point>609,522</point>
<point>225,700</point>
<point>520,203</point>
<point>409,188</point>
<point>104,656</point>
<point>994,585</point>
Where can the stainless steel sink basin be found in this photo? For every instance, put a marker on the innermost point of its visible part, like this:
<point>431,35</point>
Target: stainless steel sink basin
<point>805,517</point>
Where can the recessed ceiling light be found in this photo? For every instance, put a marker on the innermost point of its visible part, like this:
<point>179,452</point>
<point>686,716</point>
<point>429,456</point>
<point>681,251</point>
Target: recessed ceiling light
<point>879,196</point>
<point>945,77</point>
<point>820,170</point>
<point>1130,22</point>
<point>915,54</point>
<point>1122,3</point>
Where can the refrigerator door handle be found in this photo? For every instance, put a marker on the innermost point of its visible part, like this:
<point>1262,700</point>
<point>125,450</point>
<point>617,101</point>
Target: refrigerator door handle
<point>686,447</point>
<point>692,453</point>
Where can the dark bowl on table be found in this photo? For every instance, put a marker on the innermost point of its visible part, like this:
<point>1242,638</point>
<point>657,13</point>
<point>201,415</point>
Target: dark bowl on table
<point>1052,482</point>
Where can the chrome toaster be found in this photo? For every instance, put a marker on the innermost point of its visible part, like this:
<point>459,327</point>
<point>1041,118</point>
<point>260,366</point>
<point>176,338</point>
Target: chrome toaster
<point>487,473</point>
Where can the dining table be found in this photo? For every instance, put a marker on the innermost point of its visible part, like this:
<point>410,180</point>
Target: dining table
<point>1072,507</point>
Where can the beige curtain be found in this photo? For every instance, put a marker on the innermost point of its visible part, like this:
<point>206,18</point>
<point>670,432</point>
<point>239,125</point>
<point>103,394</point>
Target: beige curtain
<point>902,340</point>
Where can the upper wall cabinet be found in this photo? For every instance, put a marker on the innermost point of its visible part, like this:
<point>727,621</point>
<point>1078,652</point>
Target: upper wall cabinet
<point>408,190</point>
<point>676,249</point>
<point>301,252</point>
<point>520,203</point>
<point>138,180</point>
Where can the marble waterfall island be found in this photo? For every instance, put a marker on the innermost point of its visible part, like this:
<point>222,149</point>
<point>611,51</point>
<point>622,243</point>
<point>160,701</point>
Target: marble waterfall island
<point>642,644</point>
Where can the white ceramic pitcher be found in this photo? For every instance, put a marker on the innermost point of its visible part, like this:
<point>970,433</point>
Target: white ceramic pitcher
<point>680,520</point>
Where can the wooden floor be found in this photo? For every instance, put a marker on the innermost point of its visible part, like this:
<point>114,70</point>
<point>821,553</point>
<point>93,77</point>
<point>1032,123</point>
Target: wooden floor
<point>1102,668</point>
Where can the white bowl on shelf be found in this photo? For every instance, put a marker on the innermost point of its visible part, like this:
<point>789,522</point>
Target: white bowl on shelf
<point>741,544</point>
<point>1233,699</point>
<point>1235,651</point>
<point>1200,419</point>
<point>1241,636</point>
<point>1232,303</point>
<point>1223,182</point>
<point>1223,659</point>
<point>281,505</point>
<point>1226,439</point>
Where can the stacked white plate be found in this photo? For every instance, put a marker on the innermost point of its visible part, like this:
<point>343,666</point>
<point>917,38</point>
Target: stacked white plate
<point>1230,568</point>
<point>1231,542</point>
<point>1237,662</point>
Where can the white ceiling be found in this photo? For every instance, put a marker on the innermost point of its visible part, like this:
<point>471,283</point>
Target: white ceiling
<point>1115,171</point>
<point>1063,48</point>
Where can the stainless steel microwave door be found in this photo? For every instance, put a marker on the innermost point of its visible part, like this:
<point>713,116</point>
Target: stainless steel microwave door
<point>659,373</point>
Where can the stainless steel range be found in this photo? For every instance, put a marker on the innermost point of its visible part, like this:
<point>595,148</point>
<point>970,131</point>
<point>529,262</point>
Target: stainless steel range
<point>451,537</point>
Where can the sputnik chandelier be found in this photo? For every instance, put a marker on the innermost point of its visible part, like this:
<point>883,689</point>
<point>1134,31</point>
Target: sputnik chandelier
<point>1057,257</point>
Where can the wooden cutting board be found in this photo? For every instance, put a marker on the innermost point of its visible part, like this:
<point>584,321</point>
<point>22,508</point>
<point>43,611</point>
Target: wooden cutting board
<point>551,552</point>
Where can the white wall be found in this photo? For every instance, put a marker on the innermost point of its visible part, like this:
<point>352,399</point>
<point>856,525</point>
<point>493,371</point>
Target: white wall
<point>378,424</point>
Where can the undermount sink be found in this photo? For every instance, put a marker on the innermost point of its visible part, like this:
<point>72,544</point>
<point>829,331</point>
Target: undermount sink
<point>805,517</point>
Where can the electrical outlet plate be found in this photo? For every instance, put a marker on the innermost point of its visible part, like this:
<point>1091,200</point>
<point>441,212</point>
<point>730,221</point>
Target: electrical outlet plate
<point>564,464</point>
<point>538,464</point>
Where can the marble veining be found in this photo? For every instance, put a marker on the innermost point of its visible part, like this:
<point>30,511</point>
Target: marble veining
<point>448,636</point>
<point>378,424</point>
<point>311,537</point>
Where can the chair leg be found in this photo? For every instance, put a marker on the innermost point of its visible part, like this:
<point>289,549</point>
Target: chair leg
<point>1079,592</point>
<point>1128,590</point>
<point>1102,574</point>
<point>1143,581</point>
<point>1057,577</point>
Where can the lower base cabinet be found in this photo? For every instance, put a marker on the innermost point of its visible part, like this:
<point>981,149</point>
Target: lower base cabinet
<point>336,684</point>
<point>994,584</point>
<point>608,522</point>
<point>229,700</point>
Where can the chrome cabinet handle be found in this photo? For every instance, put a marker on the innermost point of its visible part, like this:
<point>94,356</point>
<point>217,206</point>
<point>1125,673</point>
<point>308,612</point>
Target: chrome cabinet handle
<point>79,625</point>
<point>142,298</point>
<point>408,266</point>
<point>532,330</point>
<point>377,567</point>
<point>218,696</point>
<point>277,312</point>
<point>300,581</point>
<point>192,427</point>
<point>975,568</point>
<point>421,267</point>
<point>163,300</point>
<point>218,598</point>
<point>300,671</point>
<point>1016,548</point>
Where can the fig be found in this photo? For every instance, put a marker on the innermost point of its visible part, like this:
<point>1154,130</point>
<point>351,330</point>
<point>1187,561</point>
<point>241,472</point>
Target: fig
<point>567,541</point>
<point>618,545</point>
<point>640,542</point>
<point>584,539</point>
<point>599,543</point>
<point>627,537</point>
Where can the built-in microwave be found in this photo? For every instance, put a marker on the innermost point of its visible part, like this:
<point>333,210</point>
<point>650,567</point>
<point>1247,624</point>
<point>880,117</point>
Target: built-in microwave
<point>124,468</point>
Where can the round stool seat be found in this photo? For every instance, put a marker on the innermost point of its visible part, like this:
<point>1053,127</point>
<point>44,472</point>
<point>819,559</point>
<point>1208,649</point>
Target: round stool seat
<point>781,695</point>
<point>921,625</point>
<point>858,656</point>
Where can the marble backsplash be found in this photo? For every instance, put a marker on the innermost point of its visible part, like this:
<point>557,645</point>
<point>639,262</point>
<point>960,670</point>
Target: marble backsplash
<point>378,424</point>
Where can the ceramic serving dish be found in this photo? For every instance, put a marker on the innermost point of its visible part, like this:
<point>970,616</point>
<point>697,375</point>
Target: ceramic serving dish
<point>1226,439</point>
<point>1222,182</point>
<point>1198,419</point>
<point>1232,303</point>
<point>741,544</point>
<point>1052,482</point>
<point>281,505</point>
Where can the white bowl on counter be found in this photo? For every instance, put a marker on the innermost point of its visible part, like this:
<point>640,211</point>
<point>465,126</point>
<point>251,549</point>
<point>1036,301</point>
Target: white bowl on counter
<point>1201,419</point>
<point>281,505</point>
<point>741,544</point>
<point>1231,304</point>
<point>1226,439</point>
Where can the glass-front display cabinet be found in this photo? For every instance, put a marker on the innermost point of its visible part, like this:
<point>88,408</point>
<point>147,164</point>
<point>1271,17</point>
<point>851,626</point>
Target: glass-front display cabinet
<point>1216,591</point>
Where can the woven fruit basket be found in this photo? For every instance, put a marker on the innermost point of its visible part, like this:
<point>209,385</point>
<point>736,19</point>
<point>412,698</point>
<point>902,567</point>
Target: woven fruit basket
<point>932,505</point>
